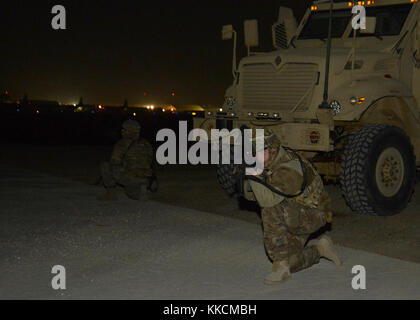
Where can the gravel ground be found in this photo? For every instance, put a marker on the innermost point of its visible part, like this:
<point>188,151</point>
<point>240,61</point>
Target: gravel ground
<point>148,250</point>
<point>197,188</point>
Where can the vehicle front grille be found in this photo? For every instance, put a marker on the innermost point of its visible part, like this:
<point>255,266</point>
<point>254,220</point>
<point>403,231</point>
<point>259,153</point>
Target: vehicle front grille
<point>289,88</point>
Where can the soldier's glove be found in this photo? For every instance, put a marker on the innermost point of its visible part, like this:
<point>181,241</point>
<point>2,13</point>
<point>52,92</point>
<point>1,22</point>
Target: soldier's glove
<point>328,217</point>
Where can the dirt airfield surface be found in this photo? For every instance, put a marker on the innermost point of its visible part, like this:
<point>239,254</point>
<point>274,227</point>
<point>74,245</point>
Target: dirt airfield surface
<point>196,187</point>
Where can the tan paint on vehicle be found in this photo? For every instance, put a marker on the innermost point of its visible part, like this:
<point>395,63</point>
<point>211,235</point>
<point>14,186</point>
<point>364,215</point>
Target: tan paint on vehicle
<point>282,89</point>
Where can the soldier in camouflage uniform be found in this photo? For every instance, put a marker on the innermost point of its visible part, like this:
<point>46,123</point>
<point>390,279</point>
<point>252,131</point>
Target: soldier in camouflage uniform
<point>288,222</point>
<point>130,165</point>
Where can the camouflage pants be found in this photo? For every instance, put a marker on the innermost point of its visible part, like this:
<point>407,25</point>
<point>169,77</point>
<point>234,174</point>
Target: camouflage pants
<point>287,227</point>
<point>133,186</point>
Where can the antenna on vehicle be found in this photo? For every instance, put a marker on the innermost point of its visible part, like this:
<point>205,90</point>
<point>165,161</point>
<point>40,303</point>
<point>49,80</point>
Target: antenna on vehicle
<point>324,104</point>
<point>353,60</point>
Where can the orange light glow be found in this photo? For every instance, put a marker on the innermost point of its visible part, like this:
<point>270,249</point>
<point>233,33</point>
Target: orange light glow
<point>362,3</point>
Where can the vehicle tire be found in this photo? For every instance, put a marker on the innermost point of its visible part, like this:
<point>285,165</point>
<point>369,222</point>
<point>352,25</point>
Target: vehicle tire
<point>378,170</point>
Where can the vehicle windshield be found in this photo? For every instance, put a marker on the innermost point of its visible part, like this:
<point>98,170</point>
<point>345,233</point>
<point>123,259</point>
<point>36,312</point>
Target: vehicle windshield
<point>389,22</point>
<point>317,25</point>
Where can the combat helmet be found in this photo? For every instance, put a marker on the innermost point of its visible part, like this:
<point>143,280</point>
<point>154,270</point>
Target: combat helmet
<point>132,128</point>
<point>269,140</point>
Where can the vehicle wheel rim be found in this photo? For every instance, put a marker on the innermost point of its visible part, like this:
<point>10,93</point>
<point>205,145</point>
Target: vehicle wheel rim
<point>389,172</point>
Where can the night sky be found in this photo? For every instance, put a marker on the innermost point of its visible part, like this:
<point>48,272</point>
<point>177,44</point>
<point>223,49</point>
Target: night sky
<point>114,50</point>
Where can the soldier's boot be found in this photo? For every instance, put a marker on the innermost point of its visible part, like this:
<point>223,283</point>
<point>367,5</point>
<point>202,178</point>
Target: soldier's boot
<point>134,193</point>
<point>145,193</point>
<point>138,193</point>
<point>280,273</point>
<point>110,195</point>
<point>326,249</point>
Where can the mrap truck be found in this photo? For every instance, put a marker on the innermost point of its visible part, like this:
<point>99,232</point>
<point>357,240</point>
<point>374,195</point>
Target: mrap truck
<point>347,99</point>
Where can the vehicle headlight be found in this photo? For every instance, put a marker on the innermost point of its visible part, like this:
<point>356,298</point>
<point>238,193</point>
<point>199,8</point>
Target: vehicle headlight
<point>336,107</point>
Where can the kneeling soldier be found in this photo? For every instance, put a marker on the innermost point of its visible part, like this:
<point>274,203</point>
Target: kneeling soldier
<point>294,205</point>
<point>130,165</point>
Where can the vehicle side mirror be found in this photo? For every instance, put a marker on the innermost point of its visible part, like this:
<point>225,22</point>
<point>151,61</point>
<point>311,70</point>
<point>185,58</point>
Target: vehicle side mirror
<point>370,26</point>
<point>251,33</point>
<point>285,28</point>
<point>227,32</point>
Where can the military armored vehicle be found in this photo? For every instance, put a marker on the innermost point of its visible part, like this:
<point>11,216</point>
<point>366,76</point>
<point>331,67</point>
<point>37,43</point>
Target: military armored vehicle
<point>347,99</point>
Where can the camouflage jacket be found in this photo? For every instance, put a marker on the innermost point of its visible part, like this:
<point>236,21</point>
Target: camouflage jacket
<point>285,174</point>
<point>133,156</point>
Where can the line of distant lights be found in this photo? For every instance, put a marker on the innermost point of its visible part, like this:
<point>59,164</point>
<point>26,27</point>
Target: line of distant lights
<point>352,4</point>
<point>368,3</point>
<point>361,3</point>
<point>170,109</point>
<point>134,113</point>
